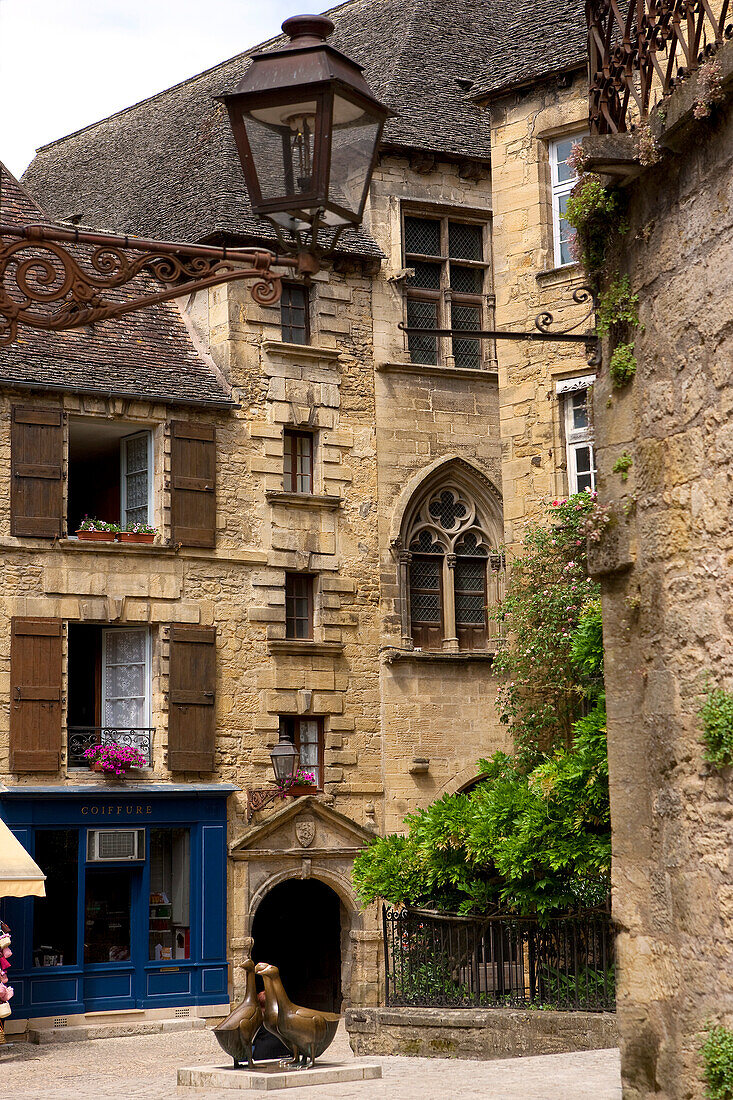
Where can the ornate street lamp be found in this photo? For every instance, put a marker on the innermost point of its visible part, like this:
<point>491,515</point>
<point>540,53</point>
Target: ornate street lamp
<point>285,760</point>
<point>307,129</point>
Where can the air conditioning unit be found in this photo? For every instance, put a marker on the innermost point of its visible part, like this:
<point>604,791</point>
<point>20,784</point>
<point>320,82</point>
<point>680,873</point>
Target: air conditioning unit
<point>115,845</point>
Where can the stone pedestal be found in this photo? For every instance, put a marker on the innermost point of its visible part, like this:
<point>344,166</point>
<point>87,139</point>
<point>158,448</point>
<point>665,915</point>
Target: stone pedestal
<point>269,1076</point>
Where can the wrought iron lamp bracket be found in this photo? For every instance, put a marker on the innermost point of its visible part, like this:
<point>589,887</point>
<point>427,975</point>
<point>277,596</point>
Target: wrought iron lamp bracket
<point>260,797</point>
<point>542,331</point>
<point>45,286</point>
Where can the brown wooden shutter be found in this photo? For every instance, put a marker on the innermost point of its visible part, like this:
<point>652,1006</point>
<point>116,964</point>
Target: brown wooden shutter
<point>191,695</point>
<point>37,453</point>
<point>35,695</point>
<point>193,483</point>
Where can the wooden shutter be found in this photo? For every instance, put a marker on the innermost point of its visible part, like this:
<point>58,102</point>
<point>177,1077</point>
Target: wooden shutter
<point>191,694</point>
<point>35,695</point>
<point>193,483</point>
<point>37,451</point>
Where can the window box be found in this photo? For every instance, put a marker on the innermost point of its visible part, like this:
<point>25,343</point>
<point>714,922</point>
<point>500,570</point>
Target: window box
<point>97,536</point>
<point>134,536</point>
<point>301,789</point>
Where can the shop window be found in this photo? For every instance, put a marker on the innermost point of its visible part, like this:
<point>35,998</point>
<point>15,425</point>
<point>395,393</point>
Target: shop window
<point>110,473</point>
<point>449,288</point>
<point>563,179</point>
<point>169,935</point>
<point>55,916</point>
<point>299,605</point>
<point>297,462</point>
<point>307,736</point>
<point>109,689</point>
<point>294,313</point>
<point>579,443</point>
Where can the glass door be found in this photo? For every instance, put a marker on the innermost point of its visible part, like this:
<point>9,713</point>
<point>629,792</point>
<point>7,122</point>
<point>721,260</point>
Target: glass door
<point>112,912</point>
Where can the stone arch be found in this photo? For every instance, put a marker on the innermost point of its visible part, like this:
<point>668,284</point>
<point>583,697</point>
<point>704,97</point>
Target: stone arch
<point>461,782</point>
<point>333,929</point>
<point>338,884</point>
<point>450,467</point>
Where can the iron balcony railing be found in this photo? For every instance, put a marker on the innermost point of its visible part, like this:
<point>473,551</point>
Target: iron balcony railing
<point>639,50</point>
<point>432,960</point>
<point>81,738</point>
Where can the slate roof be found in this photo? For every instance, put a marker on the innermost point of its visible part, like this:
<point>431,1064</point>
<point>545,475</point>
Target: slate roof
<point>531,39</point>
<point>146,355</point>
<point>167,167</point>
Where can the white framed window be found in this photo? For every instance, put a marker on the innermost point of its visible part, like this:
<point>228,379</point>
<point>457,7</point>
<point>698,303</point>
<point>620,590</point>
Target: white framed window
<point>563,179</point>
<point>125,678</point>
<point>136,480</point>
<point>581,459</point>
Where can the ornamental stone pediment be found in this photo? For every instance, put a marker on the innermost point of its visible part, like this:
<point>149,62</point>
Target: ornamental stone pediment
<point>304,827</point>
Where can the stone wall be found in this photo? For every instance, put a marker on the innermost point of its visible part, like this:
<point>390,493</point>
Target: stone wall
<point>665,570</point>
<point>526,283</point>
<point>476,1033</point>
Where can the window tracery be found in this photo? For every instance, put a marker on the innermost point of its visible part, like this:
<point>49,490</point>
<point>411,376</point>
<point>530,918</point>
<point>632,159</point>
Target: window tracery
<point>453,570</point>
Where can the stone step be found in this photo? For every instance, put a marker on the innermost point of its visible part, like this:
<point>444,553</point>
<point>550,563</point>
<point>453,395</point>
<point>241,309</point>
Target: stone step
<point>80,1033</point>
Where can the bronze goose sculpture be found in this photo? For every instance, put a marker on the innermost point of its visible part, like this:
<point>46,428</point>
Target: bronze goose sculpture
<point>306,1031</point>
<point>236,1033</point>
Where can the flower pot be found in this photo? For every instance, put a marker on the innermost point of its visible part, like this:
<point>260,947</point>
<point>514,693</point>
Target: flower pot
<point>132,536</point>
<point>95,766</point>
<point>96,536</point>
<point>303,788</point>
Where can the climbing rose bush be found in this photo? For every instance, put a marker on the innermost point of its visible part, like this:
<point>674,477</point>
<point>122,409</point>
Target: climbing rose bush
<point>549,587</point>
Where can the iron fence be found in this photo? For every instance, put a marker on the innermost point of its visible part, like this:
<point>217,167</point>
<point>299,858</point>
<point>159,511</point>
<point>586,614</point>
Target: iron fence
<point>81,738</point>
<point>434,960</point>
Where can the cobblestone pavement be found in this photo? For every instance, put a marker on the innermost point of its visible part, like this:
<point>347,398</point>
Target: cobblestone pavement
<point>144,1068</point>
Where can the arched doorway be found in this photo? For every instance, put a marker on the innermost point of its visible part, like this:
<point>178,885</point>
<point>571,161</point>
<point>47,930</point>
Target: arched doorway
<point>297,927</point>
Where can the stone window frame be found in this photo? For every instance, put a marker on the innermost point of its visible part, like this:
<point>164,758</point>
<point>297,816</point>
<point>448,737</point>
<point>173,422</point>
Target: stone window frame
<point>294,435</point>
<point>444,295</point>
<point>479,519</point>
<point>299,585</point>
<point>576,438</point>
<point>559,190</point>
<point>287,328</point>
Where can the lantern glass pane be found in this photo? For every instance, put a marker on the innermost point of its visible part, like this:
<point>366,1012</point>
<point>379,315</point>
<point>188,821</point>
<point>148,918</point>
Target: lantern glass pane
<point>281,140</point>
<point>354,135</point>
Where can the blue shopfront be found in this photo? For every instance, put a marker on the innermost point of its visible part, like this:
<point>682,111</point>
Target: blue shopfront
<point>135,909</point>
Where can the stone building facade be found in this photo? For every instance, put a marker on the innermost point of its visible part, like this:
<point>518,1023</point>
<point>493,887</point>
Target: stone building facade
<point>330,581</point>
<point>664,567</point>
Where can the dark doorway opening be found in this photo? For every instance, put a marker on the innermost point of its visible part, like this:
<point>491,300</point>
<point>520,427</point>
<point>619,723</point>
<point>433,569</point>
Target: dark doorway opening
<point>297,927</point>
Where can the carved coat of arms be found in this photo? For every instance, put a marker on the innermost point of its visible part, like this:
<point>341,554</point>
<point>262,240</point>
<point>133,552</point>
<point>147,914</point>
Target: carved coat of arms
<point>305,831</point>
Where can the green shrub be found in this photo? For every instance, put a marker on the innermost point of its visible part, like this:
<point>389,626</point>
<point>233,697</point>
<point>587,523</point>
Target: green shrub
<point>717,725</point>
<point>622,465</point>
<point>717,1054</point>
<point>623,365</point>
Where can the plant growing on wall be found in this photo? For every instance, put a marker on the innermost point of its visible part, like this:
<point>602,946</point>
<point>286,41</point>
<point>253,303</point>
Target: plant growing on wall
<point>548,588</point>
<point>717,726</point>
<point>717,1055</point>
<point>596,215</point>
<point>622,465</point>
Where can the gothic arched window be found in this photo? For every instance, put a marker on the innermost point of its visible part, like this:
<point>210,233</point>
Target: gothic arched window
<point>453,571</point>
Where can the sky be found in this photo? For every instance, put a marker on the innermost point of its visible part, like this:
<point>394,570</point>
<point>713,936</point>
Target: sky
<point>67,63</point>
